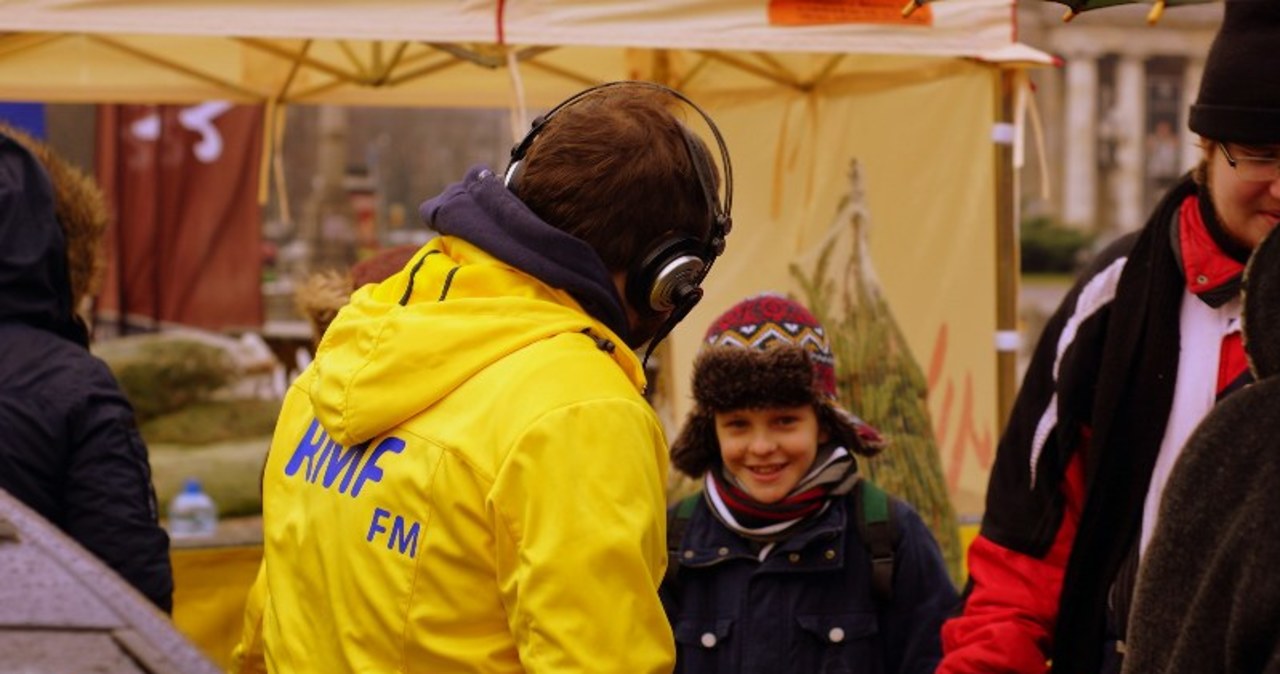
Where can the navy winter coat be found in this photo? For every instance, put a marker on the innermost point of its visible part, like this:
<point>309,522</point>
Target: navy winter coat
<point>69,445</point>
<point>808,607</point>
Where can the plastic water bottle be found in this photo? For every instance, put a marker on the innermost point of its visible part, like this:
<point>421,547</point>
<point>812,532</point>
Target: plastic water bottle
<point>192,514</point>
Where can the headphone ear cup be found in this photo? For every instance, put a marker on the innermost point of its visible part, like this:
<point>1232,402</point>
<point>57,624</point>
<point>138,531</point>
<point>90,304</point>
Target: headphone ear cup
<point>668,276</point>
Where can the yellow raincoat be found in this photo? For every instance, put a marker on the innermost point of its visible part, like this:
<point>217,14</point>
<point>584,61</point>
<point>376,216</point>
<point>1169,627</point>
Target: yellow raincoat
<point>466,485</point>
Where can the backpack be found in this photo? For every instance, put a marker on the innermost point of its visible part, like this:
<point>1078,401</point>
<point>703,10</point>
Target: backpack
<point>870,515</point>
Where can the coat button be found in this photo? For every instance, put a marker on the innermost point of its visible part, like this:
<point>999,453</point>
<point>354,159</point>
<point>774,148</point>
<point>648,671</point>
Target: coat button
<point>709,640</point>
<point>688,554</point>
<point>830,554</point>
<point>722,551</point>
<point>836,635</point>
<point>793,557</point>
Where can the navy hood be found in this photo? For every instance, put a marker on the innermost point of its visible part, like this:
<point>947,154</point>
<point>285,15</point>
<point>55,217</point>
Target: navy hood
<point>482,211</point>
<point>35,286</point>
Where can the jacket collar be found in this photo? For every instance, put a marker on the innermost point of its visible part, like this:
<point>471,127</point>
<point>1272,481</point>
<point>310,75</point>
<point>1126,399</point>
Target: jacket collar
<point>707,542</point>
<point>482,211</point>
<point>1211,262</point>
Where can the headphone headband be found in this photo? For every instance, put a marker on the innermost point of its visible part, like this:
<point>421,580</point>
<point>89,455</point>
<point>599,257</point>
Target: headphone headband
<point>721,209</point>
<point>668,278</point>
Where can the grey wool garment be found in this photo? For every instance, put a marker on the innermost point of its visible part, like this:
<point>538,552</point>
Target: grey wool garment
<point>1208,593</point>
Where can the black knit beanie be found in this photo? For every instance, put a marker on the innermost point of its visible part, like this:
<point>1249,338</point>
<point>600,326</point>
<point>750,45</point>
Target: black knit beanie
<point>1239,98</point>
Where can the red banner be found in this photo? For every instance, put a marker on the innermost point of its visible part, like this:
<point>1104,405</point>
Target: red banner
<point>186,243</point>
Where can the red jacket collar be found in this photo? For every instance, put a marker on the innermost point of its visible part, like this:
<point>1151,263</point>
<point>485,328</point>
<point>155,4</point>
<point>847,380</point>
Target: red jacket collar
<point>1205,265</point>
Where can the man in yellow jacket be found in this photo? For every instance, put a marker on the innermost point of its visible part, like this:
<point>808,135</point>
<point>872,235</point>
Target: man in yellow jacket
<point>467,478</point>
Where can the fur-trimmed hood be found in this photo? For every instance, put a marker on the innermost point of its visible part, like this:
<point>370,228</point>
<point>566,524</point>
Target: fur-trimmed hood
<point>52,219</point>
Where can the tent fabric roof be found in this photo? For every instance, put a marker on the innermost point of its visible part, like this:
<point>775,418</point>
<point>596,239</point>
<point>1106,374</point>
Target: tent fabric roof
<point>450,52</point>
<point>952,28</point>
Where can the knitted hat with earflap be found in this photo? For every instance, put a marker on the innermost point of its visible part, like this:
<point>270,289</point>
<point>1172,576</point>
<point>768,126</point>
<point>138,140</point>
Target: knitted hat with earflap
<point>1239,98</point>
<point>766,351</point>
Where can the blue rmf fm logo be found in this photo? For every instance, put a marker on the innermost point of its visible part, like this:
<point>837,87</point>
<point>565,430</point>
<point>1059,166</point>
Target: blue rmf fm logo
<point>330,463</point>
<point>336,461</point>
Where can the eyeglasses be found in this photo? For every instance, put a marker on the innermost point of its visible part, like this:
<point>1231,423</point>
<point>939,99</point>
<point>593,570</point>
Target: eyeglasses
<point>1253,168</point>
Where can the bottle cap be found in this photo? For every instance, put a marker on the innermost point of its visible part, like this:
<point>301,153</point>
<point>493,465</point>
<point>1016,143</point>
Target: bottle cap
<point>191,486</point>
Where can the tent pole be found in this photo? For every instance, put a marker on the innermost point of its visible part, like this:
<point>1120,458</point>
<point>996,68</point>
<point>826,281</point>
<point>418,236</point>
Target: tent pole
<point>1007,255</point>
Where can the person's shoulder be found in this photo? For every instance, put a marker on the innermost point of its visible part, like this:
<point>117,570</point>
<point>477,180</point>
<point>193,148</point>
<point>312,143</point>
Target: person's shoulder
<point>52,354</point>
<point>571,367</point>
<point>905,517</point>
<point>1117,249</point>
<point>73,368</point>
<point>686,507</point>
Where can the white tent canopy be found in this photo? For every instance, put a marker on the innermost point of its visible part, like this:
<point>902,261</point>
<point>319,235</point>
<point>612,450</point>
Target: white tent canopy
<point>381,52</point>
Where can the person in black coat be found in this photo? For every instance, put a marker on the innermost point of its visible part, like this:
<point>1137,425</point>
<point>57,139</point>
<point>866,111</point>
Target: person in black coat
<point>69,444</point>
<point>1208,595</point>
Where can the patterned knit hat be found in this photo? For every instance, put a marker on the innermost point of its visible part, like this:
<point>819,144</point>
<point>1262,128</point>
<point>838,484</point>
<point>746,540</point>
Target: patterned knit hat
<point>1239,99</point>
<point>765,351</point>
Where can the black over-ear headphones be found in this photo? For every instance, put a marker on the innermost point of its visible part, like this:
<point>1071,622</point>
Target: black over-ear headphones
<point>669,276</point>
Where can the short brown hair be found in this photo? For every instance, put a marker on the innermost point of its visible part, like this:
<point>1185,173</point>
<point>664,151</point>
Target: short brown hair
<point>613,169</point>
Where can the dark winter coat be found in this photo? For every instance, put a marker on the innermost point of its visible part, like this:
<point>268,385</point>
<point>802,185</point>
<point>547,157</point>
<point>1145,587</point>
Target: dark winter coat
<point>69,445</point>
<point>1208,595</point>
<point>808,607</point>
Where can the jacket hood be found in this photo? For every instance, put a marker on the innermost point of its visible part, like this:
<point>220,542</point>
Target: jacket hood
<point>35,288</point>
<point>404,344</point>
<point>483,211</point>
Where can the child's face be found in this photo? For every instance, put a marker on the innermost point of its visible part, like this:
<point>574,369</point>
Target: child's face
<point>768,450</point>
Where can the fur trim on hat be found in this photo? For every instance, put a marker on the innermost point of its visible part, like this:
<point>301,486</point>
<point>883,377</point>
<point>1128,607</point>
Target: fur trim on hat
<point>733,378</point>
<point>696,449</point>
<point>728,378</point>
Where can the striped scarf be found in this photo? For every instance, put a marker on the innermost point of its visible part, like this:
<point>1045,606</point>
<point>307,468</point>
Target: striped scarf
<point>833,474</point>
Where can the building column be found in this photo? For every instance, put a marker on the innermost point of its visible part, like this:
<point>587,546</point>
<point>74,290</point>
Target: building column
<point>1190,89</point>
<point>1079,176</point>
<point>1131,134</point>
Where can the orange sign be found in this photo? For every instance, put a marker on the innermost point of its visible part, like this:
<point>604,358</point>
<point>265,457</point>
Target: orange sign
<point>813,12</point>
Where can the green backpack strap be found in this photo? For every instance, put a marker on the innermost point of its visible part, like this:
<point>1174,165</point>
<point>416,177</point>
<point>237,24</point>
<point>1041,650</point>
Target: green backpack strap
<point>677,523</point>
<point>875,525</point>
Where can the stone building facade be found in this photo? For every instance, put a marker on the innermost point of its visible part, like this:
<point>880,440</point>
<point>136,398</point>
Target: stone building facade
<point>1115,112</point>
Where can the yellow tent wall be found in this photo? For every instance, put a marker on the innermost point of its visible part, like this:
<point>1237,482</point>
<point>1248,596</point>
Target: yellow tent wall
<point>920,130</point>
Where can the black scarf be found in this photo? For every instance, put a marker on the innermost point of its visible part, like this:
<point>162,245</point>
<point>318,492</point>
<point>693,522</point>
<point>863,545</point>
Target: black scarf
<point>1135,385</point>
